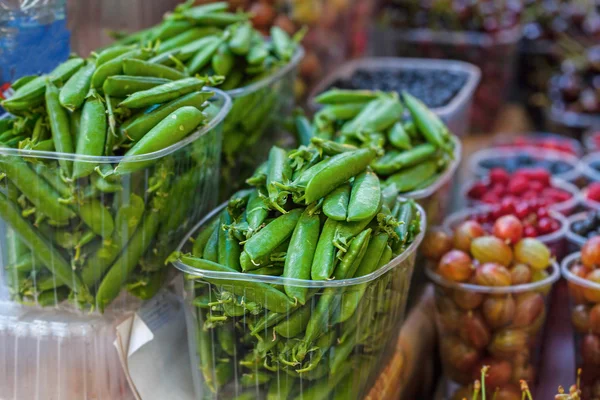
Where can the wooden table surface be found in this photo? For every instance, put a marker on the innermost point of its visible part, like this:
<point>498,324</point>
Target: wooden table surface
<point>410,373</point>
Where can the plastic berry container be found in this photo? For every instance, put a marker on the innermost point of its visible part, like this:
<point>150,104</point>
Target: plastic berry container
<point>584,295</point>
<point>555,240</point>
<point>544,141</point>
<point>575,240</point>
<point>475,331</point>
<point>565,207</point>
<point>591,140</point>
<point>559,164</point>
<point>373,331</point>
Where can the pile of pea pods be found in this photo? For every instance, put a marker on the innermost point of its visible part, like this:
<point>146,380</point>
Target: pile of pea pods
<point>417,148</point>
<point>259,75</point>
<point>299,283</point>
<point>101,165</point>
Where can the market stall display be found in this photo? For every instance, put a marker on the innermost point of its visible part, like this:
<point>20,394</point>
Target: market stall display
<point>90,182</point>
<point>491,303</point>
<point>302,279</point>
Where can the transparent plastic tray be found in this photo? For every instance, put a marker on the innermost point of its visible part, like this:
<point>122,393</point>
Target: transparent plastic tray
<point>575,240</point>
<point>583,295</point>
<point>255,123</point>
<point>507,153</point>
<point>589,141</point>
<point>555,240</point>
<point>466,336</point>
<point>138,218</point>
<point>366,334</point>
<point>495,55</point>
<point>566,207</point>
<point>455,114</point>
<point>535,139</point>
<point>590,173</point>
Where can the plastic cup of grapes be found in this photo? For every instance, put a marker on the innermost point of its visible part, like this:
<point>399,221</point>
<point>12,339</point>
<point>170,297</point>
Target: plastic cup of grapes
<point>491,303</point>
<point>582,271</point>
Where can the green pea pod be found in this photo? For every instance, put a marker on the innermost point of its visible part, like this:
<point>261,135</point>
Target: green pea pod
<point>241,39</point>
<point>137,126</point>
<point>406,213</point>
<point>226,337</point>
<point>44,251</point>
<point>409,178</point>
<point>265,241</point>
<point>339,170</point>
<point>182,39</point>
<point>115,66</point>
<point>261,293</point>
<point>199,11</point>
<point>144,68</point>
<point>269,271</point>
<point>59,126</point>
<point>335,205</point>
<point>394,161</point>
<point>73,93</point>
<point>278,171</point>
<point>256,212</point>
<point>204,344</point>
<point>282,43</point>
<point>258,53</point>
<point>211,250</point>
<point>233,81</point>
<point>398,137</point>
<point>324,260</point>
<point>203,237</point>
<point>191,49</point>
<point>112,53</point>
<point>171,28</point>
<point>345,96</point>
<point>364,198</point>
<point>125,85</point>
<point>429,124</point>
<point>91,137</point>
<point>221,19</point>
<point>223,61</point>
<point>37,190</point>
<point>377,116</point>
<point>229,248</point>
<point>280,388</point>
<point>97,217</point>
<point>170,130</point>
<point>354,256</point>
<point>163,93</point>
<point>22,81</point>
<point>204,56</point>
<point>295,323</point>
<point>25,263</point>
<point>299,258</point>
<point>330,147</point>
<point>304,131</point>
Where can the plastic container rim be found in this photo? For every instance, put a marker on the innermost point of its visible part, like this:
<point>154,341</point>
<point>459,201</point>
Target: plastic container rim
<point>409,251</point>
<point>587,170</point>
<point>443,178</point>
<point>587,202</point>
<point>572,236</point>
<point>401,63</point>
<point>555,182</point>
<point>571,277</point>
<point>461,215</point>
<point>505,152</point>
<point>588,140</point>
<point>539,136</point>
<point>527,287</point>
<point>277,75</point>
<point>219,118</point>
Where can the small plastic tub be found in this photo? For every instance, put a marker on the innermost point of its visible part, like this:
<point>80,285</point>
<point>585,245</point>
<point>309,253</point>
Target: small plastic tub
<point>555,240</point>
<point>255,122</point>
<point>495,55</point>
<point>475,329</point>
<point>566,207</point>
<point>590,167</point>
<point>545,142</point>
<point>575,240</point>
<point>434,199</point>
<point>454,114</point>
<point>91,239</point>
<point>584,297</point>
<point>365,339</point>
<point>560,165</point>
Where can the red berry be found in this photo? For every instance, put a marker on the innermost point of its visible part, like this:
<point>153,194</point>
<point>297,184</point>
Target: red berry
<point>593,191</point>
<point>499,189</point>
<point>477,190</point>
<point>536,186</point>
<point>508,228</point>
<point>545,225</point>
<point>490,198</point>
<point>529,231</point>
<point>507,206</point>
<point>539,174</point>
<point>529,195</point>
<point>542,212</point>
<point>499,175</point>
<point>518,185</point>
<point>522,210</point>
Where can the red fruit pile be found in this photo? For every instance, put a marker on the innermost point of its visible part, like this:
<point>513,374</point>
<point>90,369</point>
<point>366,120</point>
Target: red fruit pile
<point>585,314</point>
<point>535,218</point>
<point>593,191</point>
<point>546,143</point>
<point>527,187</point>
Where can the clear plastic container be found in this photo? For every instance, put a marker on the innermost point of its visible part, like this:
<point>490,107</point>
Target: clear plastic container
<point>575,240</point>
<point>589,172</point>
<point>345,360</point>
<point>568,122</point>
<point>543,141</point>
<point>501,327</point>
<point>584,298</point>
<point>591,140</point>
<point>478,168</point>
<point>255,123</point>
<point>566,207</point>
<point>555,240</point>
<point>495,55</point>
<point>434,199</point>
<point>60,354</point>
<point>455,114</point>
<point>114,231</point>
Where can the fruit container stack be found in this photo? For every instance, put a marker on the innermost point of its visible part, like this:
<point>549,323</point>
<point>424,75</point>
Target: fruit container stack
<point>483,33</point>
<point>294,293</point>
<point>583,277</point>
<point>491,296</point>
<point>445,86</point>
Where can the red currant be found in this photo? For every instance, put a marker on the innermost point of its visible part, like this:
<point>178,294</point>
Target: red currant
<point>529,231</point>
<point>499,175</point>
